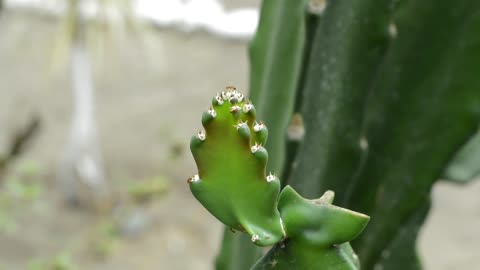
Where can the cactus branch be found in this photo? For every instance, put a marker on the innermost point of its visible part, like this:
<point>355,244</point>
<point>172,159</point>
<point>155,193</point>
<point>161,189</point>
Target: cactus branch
<point>232,184</point>
<point>317,234</point>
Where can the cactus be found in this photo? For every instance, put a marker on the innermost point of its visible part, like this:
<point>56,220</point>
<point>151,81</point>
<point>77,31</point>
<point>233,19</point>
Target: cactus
<point>389,98</point>
<point>232,184</point>
<point>275,57</point>
<point>406,145</point>
<point>318,234</point>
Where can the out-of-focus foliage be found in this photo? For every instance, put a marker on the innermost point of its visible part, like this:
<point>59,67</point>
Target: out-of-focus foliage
<point>146,190</point>
<point>19,190</point>
<point>62,261</point>
<point>18,143</point>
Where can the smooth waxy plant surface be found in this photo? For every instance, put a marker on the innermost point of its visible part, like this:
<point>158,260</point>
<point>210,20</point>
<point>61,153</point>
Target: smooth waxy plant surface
<point>232,182</point>
<point>317,234</point>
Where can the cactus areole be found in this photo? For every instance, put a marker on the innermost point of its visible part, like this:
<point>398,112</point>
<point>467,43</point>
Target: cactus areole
<point>233,185</point>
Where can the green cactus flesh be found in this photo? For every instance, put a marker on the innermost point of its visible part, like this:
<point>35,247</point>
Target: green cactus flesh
<point>318,235</point>
<point>291,255</point>
<point>233,185</point>
<point>318,222</point>
<point>232,182</point>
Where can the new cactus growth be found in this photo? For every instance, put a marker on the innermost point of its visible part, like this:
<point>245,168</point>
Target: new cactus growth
<point>232,182</point>
<point>233,185</point>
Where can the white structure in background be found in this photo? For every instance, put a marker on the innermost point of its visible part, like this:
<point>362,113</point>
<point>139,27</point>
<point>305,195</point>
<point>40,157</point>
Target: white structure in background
<point>82,172</point>
<point>186,15</point>
<point>207,15</point>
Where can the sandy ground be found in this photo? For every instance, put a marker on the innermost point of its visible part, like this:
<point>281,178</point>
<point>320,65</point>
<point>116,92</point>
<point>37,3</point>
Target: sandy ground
<point>151,92</point>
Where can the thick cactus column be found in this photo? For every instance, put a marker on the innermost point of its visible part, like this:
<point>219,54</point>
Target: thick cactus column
<point>232,182</point>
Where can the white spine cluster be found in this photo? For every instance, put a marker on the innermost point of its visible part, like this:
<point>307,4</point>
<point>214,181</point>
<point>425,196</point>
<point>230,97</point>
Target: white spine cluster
<point>363,143</point>
<point>201,135</point>
<point>212,112</point>
<point>392,30</point>
<point>194,178</point>
<point>219,99</point>
<point>271,177</point>
<point>247,107</point>
<point>258,126</point>
<point>235,109</point>
<point>226,95</point>
<point>232,95</point>
<point>241,124</point>
<point>255,147</point>
<point>237,96</point>
<point>255,238</point>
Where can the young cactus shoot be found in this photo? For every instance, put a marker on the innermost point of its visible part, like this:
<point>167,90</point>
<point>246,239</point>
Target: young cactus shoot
<point>233,185</point>
<point>232,182</point>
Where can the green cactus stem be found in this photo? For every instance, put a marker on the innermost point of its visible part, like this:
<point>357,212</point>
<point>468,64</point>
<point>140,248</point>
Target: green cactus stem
<point>232,182</point>
<point>233,185</point>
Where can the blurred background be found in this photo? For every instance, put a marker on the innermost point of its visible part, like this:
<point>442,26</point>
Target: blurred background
<point>98,100</point>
